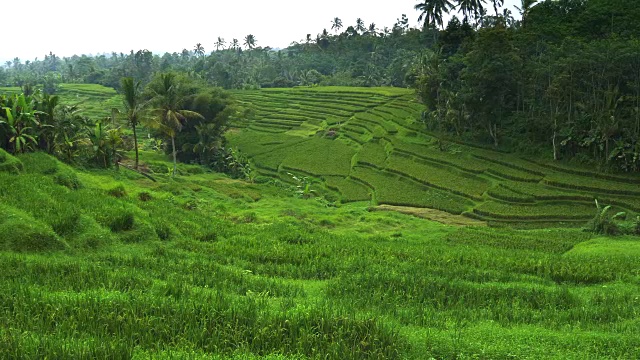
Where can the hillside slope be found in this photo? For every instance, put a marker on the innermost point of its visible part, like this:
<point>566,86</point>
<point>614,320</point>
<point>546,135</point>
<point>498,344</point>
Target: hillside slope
<point>368,144</point>
<point>109,264</point>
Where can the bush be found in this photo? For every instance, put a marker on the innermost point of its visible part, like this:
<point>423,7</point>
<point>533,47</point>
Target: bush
<point>122,222</point>
<point>163,231</point>
<point>145,196</point>
<point>604,222</point>
<point>118,191</point>
<point>65,221</point>
<point>68,179</point>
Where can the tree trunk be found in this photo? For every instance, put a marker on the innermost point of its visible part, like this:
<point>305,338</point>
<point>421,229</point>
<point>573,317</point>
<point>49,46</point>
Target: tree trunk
<point>555,149</point>
<point>175,163</point>
<point>135,145</point>
<point>493,132</point>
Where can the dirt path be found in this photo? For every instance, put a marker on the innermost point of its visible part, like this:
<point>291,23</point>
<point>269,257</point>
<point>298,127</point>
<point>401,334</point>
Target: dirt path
<point>431,214</point>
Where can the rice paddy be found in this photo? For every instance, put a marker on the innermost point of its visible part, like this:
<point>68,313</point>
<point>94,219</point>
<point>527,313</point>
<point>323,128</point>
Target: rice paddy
<point>377,139</point>
<point>108,264</point>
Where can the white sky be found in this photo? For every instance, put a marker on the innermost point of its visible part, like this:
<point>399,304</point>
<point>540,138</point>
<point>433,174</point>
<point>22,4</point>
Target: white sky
<point>68,27</point>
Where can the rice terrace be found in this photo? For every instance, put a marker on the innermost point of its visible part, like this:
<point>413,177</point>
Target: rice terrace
<point>464,189</point>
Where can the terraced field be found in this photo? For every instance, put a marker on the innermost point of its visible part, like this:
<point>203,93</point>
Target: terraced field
<point>94,101</point>
<point>368,144</point>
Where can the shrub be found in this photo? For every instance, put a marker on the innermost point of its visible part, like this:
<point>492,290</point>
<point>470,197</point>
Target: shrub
<point>163,230</point>
<point>118,191</point>
<point>122,222</point>
<point>604,222</point>
<point>65,221</point>
<point>145,196</point>
<point>68,179</point>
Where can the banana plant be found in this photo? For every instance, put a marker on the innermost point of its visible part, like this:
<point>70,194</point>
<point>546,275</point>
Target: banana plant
<point>21,123</point>
<point>98,138</point>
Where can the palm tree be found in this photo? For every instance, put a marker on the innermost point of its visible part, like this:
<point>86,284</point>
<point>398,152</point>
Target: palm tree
<point>234,44</point>
<point>219,43</point>
<point>198,50</point>
<point>497,4</point>
<point>170,117</point>
<point>372,31</point>
<point>432,11</point>
<point>525,8</point>
<point>336,24</point>
<point>360,26</point>
<point>471,7</point>
<point>250,41</point>
<point>133,106</point>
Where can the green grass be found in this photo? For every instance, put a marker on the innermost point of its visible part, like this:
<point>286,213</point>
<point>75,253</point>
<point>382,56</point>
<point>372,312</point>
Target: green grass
<point>507,211</point>
<point>108,264</point>
<point>380,129</point>
<point>468,186</point>
<point>336,157</point>
<point>412,193</point>
<point>95,101</point>
<point>349,189</point>
<point>9,163</point>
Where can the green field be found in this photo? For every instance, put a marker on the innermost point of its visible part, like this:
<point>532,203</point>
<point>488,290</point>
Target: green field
<point>110,264</point>
<point>94,101</point>
<point>375,136</point>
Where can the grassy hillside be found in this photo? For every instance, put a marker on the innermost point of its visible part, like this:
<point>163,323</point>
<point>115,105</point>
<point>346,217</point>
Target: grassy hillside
<point>108,264</point>
<point>369,144</point>
<point>95,101</point>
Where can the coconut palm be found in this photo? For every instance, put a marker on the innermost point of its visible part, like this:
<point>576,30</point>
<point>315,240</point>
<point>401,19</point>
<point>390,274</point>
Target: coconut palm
<point>525,8</point>
<point>372,31</point>
<point>471,8</point>
<point>336,24</point>
<point>432,11</point>
<point>219,43</point>
<point>170,116</point>
<point>198,50</point>
<point>234,44</point>
<point>250,41</point>
<point>133,107</point>
<point>497,4</point>
<point>360,26</point>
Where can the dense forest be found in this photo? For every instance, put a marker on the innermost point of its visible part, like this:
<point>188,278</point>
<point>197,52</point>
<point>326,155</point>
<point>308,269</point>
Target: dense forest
<point>562,81</point>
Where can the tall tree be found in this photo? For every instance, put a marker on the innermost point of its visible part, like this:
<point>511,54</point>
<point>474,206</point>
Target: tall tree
<point>525,8</point>
<point>170,115</point>
<point>133,107</point>
<point>219,43</point>
<point>198,50</point>
<point>336,24</point>
<point>250,41</point>
<point>432,11</point>
<point>496,5</point>
<point>472,8</point>
<point>234,44</point>
<point>360,26</point>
